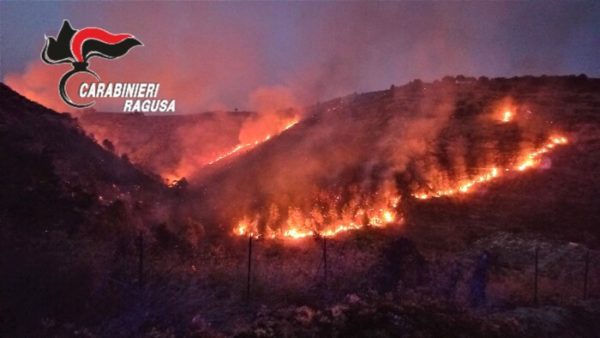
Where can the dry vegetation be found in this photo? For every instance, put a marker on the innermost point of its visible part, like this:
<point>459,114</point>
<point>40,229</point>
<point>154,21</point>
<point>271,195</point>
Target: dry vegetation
<point>72,215</point>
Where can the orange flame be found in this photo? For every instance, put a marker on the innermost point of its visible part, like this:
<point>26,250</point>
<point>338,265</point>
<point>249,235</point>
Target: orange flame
<point>353,217</point>
<point>530,160</point>
<point>171,178</point>
<point>247,146</point>
<point>379,210</point>
<point>507,116</point>
<point>383,211</point>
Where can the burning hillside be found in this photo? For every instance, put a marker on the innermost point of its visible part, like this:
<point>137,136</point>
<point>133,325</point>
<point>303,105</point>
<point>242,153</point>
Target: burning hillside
<point>166,145</point>
<point>175,147</point>
<point>299,169</point>
<point>443,163</point>
<point>242,147</point>
<point>357,161</point>
<point>352,162</point>
<point>378,212</point>
<point>529,160</point>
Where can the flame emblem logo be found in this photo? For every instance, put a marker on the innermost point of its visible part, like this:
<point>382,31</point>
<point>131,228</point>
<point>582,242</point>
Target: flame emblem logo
<point>78,46</point>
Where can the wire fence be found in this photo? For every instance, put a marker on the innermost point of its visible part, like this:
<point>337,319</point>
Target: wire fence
<point>482,276</point>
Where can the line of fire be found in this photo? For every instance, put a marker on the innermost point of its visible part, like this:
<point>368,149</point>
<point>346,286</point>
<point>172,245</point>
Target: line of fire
<point>299,169</point>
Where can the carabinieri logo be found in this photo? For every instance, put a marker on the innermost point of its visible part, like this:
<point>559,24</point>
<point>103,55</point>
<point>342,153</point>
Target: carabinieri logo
<point>78,46</point>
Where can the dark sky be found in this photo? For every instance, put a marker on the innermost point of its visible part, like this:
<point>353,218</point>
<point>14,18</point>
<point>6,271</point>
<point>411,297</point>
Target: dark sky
<point>216,55</point>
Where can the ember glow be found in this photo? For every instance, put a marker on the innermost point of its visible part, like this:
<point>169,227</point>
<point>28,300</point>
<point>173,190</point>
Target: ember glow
<point>381,211</point>
<point>462,188</point>
<point>171,178</point>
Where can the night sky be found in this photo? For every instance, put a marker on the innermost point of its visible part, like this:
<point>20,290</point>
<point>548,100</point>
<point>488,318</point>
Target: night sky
<point>216,55</point>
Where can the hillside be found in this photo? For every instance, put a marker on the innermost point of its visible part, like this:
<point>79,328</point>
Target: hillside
<point>164,144</point>
<point>360,151</point>
<point>375,214</point>
<point>69,213</point>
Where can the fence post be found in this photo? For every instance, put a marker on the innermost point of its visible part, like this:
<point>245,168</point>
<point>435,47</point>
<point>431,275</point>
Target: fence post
<point>140,259</point>
<point>249,268</point>
<point>585,274</point>
<point>325,262</point>
<point>535,278</point>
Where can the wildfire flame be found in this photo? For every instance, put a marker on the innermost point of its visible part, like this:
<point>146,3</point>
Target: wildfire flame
<point>379,209</point>
<point>247,146</point>
<point>353,217</point>
<point>530,160</point>
<point>383,211</point>
<point>507,116</point>
<point>172,178</point>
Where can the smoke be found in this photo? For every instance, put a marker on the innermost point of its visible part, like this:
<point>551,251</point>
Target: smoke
<point>350,161</point>
<point>201,68</point>
<point>276,58</point>
<point>206,65</point>
<point>177,147</point>
<point>277,108</point>
<point>39,83</point>
<point>214,56</point>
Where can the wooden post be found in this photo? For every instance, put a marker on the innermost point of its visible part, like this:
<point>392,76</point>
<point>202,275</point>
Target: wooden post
<point>325,262</point>
<point>535,278</point>
<point>140,260</point>
<point>249,268</point>
<point>585,274</point>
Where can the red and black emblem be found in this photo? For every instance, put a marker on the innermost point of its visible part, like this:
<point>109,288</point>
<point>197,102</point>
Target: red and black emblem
<point>78,46</point>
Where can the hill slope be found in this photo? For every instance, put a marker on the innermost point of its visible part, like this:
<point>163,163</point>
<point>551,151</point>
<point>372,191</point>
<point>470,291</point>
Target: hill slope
<point>169,144</point>
<point>356,153</point>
